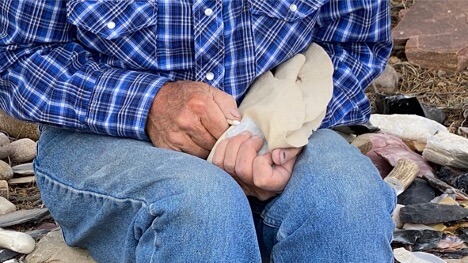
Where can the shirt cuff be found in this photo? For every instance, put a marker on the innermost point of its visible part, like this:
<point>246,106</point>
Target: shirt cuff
<point>120,102</point>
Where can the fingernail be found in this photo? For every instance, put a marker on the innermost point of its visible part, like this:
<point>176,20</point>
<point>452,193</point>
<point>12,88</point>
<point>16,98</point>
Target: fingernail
<point>233,122</point>
<point>283,156</point>
<point>235,113</point>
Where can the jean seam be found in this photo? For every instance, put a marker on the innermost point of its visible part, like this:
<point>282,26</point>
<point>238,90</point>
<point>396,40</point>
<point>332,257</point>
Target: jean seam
<point>96,194</point>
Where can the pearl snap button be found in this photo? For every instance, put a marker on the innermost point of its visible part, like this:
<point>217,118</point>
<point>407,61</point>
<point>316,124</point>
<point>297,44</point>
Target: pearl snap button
<point>209,76</point>
<point>111,25</point>
<point>208,12</point>
<point>293,7</point>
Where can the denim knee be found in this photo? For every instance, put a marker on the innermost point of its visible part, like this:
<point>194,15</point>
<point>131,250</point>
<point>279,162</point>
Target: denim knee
<point>198,193</point>
<point>209,211</point>
<point>334,198</point>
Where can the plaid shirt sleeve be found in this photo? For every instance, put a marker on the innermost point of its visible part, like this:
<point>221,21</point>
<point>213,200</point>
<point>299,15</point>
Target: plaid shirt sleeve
<point>47,77</point>
<point>358,39</point>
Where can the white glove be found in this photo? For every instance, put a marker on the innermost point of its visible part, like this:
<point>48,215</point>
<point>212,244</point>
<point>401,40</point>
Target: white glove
<point>290,104</point>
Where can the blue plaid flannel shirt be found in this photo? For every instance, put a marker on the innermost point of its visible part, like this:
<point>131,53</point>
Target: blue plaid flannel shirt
<point>96,65</point>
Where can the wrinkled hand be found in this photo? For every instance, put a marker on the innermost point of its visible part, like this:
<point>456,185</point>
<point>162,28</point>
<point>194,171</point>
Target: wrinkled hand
<point>189,116</point>
<point>262,176</point>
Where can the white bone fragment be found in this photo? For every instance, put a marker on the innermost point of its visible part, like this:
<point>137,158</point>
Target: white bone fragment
<point>405,256</point>
<point>16,241</point>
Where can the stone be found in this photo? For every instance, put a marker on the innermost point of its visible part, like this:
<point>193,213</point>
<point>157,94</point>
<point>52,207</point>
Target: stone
<point>4,140</point>
<point>418,192</point>
<point>463,131</point>
<point>5,171</point>
<point>463,233</point>
<point>52,248</point>
<point>454,177</point>
<point>447,149</point>
<point>16,241</point>
<point>457,254</point>
<point>6,206</point>
<point>6,254</point>
<point>419,239</point>
<point>460,260</point>
<point>408,127</point>
<point>18,129</point>
<point>23,216</point>
<point>436,34</point>
<point>24,169</point>
<point>407,104</point>
<point>386,150</point>
<point>446,188</point>
<point>393,155</point>
<point>4,146</point>
<point>411,226</point>
<point>405,256</point>
<point>387,82</point>
<point>23,150</point>
<point>13,260</point>
<point>5,151</point>
<point>396,216</point>
<point>445,200</point>
<point>4,190</point>
<point>431,213</point>
<point>22,180</point>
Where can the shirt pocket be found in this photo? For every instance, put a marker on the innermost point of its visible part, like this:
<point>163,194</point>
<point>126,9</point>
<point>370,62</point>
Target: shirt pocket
<point>124,30</point>
<point>287,10</point>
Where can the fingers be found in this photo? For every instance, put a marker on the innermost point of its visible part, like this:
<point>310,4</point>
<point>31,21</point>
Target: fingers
<point>270,177</point>
<point>290,69</point>
<point>226,103</point>
<point>220,152</point>
<point>282,156</point>
<point>182,142</point>
<point>192,148</point>
<point>232,150</point>
<point>200,136</point>
<point>245,156</point>
<point>235,155</point>
<point>214,120</point>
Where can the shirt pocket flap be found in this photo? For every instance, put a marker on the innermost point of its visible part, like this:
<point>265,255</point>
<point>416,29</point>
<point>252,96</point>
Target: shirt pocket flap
<point>111,19</point>
<point>289,10</point>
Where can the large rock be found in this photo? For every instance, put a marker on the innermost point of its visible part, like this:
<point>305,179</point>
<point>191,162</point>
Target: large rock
<point>418,192</point>
<point>6,173</point>
<point>410,128</point>
<point>6,206</point>
<point>436,32</point>
<point>23,150</point>
<point>447,149</point>
<point>52,248</point>
<point>431,213</point>
<point>4,146</point>
<point>387,81</point>
<point>18,129</point>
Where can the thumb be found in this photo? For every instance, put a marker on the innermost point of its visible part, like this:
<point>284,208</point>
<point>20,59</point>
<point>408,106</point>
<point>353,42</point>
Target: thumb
<point>226,103</point>
<point>282,156</point>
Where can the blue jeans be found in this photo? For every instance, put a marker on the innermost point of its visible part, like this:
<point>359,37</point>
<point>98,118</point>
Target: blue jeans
<point>127,201</point>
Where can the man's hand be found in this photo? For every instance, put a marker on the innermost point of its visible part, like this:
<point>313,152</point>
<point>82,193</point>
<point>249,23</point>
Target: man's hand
<point>189,116</point>
<point>262,176</point>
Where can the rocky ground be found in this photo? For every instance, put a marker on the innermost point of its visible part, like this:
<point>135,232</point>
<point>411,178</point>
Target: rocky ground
<point>440,88</point>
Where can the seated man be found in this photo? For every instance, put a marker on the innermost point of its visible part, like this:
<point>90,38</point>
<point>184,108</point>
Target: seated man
<point>132,95</point>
